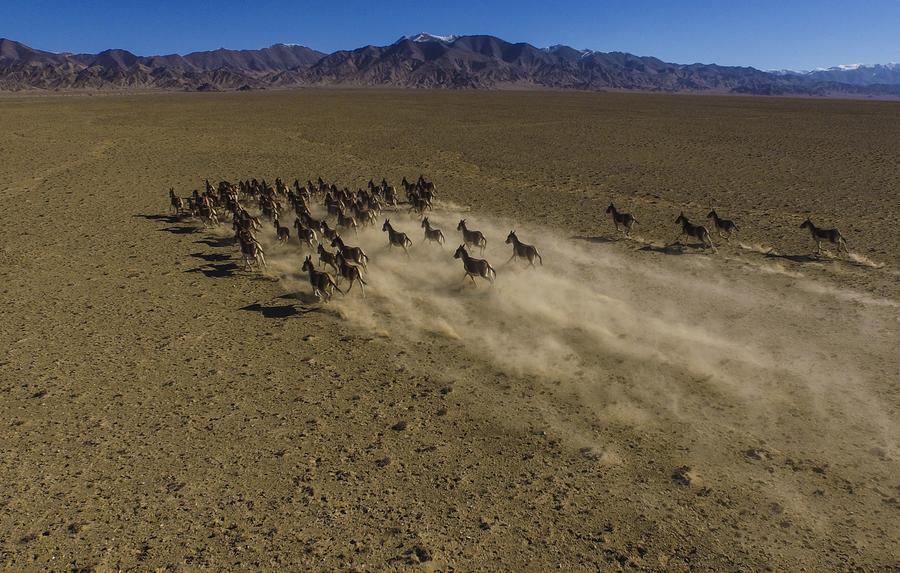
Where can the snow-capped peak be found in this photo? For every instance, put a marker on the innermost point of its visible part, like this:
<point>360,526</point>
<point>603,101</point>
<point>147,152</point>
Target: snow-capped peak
<point>426,37</point>
<point>788,72</point>
<point>839,68</point>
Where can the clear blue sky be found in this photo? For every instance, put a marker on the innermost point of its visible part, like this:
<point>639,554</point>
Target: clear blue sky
<point>796,34</point>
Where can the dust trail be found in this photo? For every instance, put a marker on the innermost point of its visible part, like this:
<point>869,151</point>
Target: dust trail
<point>636,335</point>
<point>864,260</point>
<point>757,248</point>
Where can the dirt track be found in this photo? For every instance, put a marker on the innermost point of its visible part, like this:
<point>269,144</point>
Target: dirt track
<point>624,406</point>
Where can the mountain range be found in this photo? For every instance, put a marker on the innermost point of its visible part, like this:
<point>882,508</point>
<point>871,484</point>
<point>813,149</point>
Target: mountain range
<point>854,74</point>
<point>422,61</point>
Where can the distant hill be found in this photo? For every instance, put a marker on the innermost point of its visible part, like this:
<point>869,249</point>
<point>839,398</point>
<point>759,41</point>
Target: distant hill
<point>421,61</point>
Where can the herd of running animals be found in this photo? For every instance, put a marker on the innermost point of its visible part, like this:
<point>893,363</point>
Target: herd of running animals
<point>351,210</point>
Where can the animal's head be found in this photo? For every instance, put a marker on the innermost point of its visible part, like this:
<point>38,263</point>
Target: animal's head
<point>307,264</point>
<point>425,223</point>
<point>336,242</point>
<point>511,237</point>
<point>681,218</point>
<point>460,252</point>
<point>320,249</point>
<point>806,224</point>
<point>611,208</point>
<point>386,225</point>
<point>462,225</point>
<point>711,214</point>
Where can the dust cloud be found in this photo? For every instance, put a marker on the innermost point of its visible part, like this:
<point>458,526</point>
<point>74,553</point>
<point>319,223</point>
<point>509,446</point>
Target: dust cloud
<point>634,334</point>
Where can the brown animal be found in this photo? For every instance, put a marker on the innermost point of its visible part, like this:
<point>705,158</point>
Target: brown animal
<point>351,273</point>
<point>282,233</point>
<point>833,236</point>
<point>475,266</point>
<point>396,238</point>
<point>354,254</point>
<point>475,238</point>
<point>522,250</point>
<point>627,220</point>
<point>322,283</point>
<point>326,257</point>
<point>304,233</point>
<point>696,231</point>
<point>432,234</point>
<point>724,227</point>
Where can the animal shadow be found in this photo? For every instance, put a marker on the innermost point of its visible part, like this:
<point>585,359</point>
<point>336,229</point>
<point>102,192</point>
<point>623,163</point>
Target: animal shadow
<point>180,230</point>
<point>212,257</point>
<point>277,310</point>
<point>216,242</point>
<point>677,248</point>
<point>813,258</point>
<point>216,271</point>
<point>664,249</point>
<point>165,218</point>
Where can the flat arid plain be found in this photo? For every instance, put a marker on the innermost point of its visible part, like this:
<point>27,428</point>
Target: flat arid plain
<point>628,405</point>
